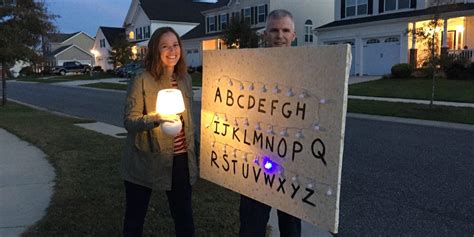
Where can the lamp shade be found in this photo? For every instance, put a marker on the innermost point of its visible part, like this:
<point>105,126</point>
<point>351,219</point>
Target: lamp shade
<point>169,101</point>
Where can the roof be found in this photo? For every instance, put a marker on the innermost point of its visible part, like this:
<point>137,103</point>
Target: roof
<point>60,37</point>
<point>112,33</point>
<point>406,14</point>
<point>60,49</point>
<point>178,10</point>
<point>65,48</point>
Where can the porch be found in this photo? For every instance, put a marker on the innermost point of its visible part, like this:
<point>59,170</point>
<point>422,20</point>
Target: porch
<point>462,54</point>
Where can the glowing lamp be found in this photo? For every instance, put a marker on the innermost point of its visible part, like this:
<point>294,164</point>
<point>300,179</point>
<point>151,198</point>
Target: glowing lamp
<point>270,166</point>
<point>170,102</point>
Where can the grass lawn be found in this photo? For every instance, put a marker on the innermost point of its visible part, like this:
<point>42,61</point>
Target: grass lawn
<point>417,111</point>
<point>89,195</point>
<point>108,85</point>
<point>54,79</point>
<point>446,90</point>
<point>197,78</point>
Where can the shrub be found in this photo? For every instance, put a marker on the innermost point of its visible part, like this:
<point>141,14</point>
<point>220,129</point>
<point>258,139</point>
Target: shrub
<point>26,71</point>
<point>457,70</point>
<point>402,70</point>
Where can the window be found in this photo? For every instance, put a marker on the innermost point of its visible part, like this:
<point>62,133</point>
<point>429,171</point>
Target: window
<point>373,41</point>
<point>392,5</point>
<point>223,21</point>
<point>261,14</point>
<point>139,33</point>
<point>146,31</point>
<point>308,27</point>
<point>356,7</point>
<point>211,24</point>
<point>236,16</point>
<point>247,15</point>
<point>131,35</point>
<point>391,39</point>
<point>102,43</point>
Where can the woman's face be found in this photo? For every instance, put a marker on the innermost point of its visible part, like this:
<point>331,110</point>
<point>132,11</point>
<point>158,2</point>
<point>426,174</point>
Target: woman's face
<point>170,50</point>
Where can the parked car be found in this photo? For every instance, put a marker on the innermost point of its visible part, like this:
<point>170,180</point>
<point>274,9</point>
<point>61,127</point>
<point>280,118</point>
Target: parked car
<point>71,66</point>
<point>129,70</point>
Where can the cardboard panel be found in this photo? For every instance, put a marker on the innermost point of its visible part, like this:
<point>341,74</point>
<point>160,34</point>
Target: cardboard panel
<point>272,126</point>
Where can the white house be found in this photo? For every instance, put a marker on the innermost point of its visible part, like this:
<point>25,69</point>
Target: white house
<point>307,15</point>
<point>104,40</point>
<point>145,16</point>
<point>379,31</point>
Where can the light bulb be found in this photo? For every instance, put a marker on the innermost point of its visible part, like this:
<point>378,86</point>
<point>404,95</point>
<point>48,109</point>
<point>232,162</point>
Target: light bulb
<point>251,87</point>
<point>241,86</point>
<point>276,89</point>
<point>230,82</point>
<point>264,89</point>
<point>284,133</point>
<point>304,94</point>
<point>290,93</point>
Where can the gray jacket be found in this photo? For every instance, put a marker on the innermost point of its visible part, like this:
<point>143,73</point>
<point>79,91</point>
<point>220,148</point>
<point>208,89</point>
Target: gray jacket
<point>146,164</point>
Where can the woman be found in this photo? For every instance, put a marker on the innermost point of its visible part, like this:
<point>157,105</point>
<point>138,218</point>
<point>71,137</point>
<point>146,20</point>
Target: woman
<point>154,160</point>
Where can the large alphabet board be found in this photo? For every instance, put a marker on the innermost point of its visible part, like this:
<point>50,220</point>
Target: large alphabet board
<point>272,126</point>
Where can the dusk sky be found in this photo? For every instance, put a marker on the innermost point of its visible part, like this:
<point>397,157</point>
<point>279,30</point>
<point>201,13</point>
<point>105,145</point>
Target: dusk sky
<point>87,15</point>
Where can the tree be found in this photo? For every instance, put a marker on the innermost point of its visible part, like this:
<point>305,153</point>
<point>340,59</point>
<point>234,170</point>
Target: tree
<point>429,36</point>
<point>239,34</point>
<point>121,53</point>
<point>22,27</point>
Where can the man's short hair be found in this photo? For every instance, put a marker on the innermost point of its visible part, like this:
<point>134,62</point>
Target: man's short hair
<point>278,14</point>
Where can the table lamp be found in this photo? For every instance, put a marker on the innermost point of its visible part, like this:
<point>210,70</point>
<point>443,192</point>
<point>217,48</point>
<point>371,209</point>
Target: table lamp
<point>170,102</point>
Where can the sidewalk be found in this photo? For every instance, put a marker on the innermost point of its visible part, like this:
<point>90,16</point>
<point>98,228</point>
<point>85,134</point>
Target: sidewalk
<point>26,184</point>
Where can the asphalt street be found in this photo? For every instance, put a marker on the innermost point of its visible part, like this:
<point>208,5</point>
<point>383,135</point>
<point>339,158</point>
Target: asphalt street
<point>397,179</point>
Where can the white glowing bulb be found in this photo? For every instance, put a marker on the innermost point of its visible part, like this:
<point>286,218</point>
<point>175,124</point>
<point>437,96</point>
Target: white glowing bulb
<point>268,165</point>
<point>322,101</point>
<point>294,178</point>
<point>310,186</point>
<point>251,87</point>
<point>317,127</point>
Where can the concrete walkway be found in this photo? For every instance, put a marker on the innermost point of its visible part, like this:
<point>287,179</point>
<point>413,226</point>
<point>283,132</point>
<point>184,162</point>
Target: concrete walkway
<point>26,184</point>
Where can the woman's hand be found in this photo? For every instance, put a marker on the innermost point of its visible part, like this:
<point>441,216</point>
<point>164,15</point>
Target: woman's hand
<point>157,119</point>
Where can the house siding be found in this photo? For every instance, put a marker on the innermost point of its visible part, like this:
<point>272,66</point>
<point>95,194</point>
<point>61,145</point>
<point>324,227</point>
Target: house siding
<point>469,32</point>
<point>82,41</point>
<point>102,59</point>
<point>72,54</point>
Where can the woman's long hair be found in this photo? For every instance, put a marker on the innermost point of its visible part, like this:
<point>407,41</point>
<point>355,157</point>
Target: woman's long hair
<point>152,59</point>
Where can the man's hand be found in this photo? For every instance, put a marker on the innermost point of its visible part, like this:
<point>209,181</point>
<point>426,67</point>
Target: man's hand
<point>157,119</point>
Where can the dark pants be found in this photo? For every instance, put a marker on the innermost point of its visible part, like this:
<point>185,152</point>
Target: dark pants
<point>254,216</point>
<point>179,199</point>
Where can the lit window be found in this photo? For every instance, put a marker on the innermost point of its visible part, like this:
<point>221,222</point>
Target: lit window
<point>131,35</point>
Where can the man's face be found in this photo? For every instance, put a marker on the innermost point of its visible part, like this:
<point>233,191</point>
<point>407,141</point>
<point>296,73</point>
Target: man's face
<point>280,32</point>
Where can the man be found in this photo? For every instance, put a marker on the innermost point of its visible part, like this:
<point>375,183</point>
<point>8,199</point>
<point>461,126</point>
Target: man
<point>254,215</point>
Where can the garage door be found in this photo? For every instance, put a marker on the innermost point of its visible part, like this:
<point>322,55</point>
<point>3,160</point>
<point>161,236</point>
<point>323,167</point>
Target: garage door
<point>380,54</point>
<point>192,58</point>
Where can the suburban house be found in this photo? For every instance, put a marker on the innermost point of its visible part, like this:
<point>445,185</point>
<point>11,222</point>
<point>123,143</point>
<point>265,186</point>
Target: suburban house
<point>381,31</point>
<point>200,23</point>
<point>59,48</point>
<point>145,16</point>
<point>104,40</point>
<point>307,15</point>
